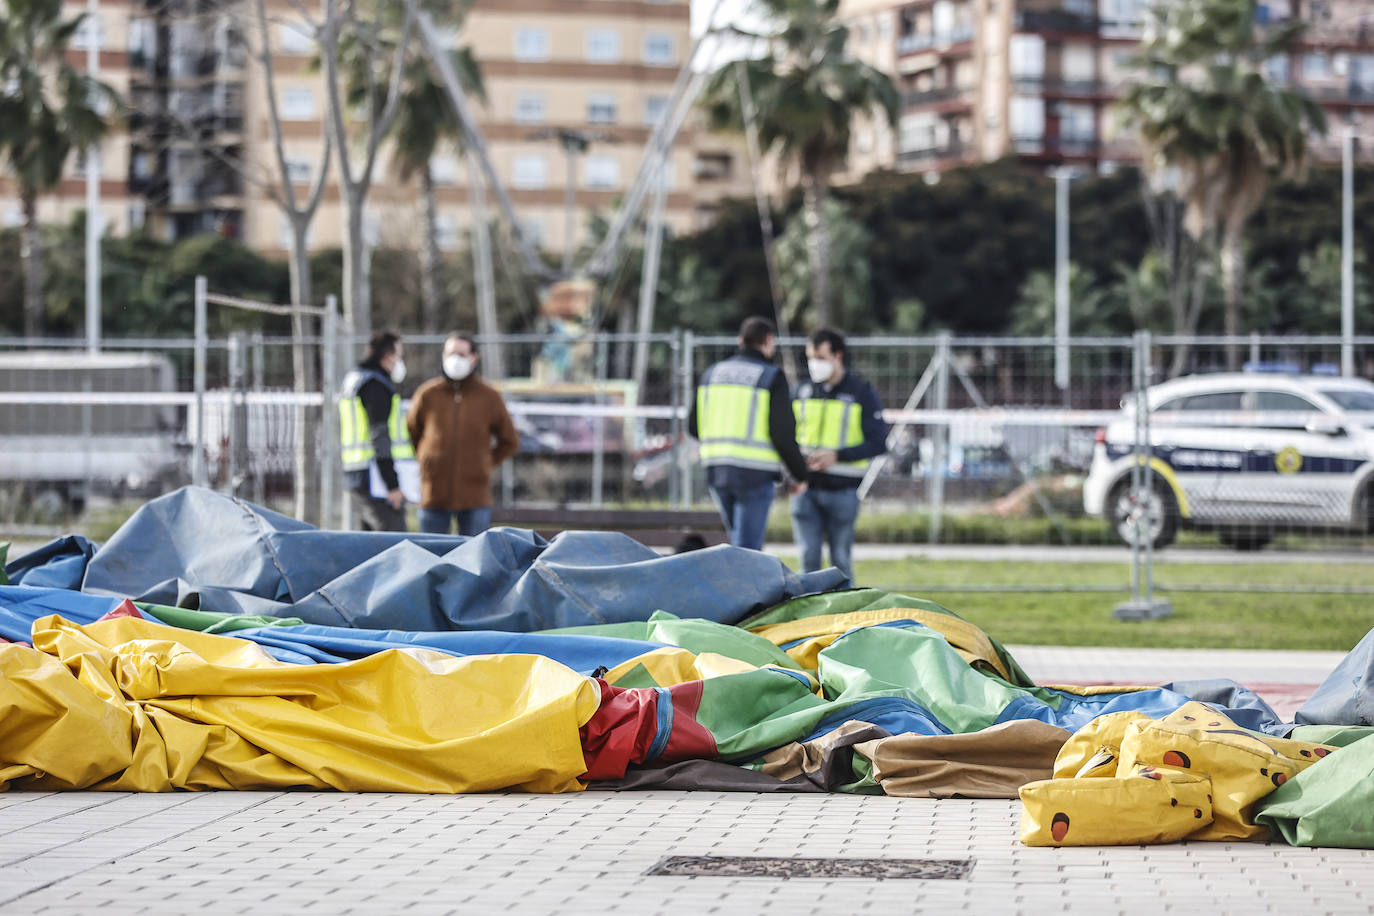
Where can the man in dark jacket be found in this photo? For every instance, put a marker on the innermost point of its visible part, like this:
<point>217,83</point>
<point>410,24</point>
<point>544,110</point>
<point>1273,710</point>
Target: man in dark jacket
<point>742,415</point>
<point>840,428</point>
<point>373,435</point>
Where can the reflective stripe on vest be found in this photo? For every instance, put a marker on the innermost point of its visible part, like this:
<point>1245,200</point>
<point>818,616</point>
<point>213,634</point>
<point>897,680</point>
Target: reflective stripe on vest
<point>733,403</point>
<point>357,450</point>
<point>830,423</point>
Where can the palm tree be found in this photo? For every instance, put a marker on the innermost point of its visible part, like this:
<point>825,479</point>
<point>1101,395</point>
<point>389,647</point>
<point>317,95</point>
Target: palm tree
<point>47,107</point>
<point>425,122</point>
<point>807,95</point>
<point>1206,109</point>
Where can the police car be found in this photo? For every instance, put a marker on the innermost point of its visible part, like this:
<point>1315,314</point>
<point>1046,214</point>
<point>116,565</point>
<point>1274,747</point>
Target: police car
<point>1243,454</point>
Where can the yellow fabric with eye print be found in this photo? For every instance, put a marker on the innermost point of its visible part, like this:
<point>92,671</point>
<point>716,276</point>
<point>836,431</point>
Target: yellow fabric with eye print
<point>1244,766</point>
<point>1095,748</point>
<point>1149,805</point>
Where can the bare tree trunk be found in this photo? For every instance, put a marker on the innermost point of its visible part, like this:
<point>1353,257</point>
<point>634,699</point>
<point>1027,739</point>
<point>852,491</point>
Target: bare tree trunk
<point>32,254</point>
<point>1232,280</point>
<point>357,304</point>
<point>817,246</point>
<point>431,317</point>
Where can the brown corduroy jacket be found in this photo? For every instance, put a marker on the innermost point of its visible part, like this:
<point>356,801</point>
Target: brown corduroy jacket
<point>461,431</point>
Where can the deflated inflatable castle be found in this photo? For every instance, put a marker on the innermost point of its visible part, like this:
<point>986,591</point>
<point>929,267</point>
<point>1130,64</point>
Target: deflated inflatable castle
<point>212,644</point>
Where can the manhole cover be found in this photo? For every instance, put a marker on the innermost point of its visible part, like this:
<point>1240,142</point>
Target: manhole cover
<point>763,867</point>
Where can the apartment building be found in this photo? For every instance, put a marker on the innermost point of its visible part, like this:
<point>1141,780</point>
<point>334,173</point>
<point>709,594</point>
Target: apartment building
<point>196,154</point>
<point>1038,79</point>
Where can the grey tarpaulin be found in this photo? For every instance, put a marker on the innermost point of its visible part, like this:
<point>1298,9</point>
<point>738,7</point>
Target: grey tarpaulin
<point>198,548</point>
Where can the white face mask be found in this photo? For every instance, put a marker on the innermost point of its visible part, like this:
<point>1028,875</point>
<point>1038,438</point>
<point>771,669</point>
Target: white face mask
<point>457,367</point>
<point>398,371</point>
<point>820,369</point>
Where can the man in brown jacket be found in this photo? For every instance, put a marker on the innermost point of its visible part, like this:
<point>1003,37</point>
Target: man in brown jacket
<point>461,431</point>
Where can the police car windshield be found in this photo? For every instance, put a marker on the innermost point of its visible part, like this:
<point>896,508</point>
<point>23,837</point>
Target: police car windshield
<point>1352,399</point>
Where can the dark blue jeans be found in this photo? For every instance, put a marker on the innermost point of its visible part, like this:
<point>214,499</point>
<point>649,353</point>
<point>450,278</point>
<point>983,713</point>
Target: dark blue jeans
<point>470,521</point>
<point>745,513</point>
<point>826,516</point>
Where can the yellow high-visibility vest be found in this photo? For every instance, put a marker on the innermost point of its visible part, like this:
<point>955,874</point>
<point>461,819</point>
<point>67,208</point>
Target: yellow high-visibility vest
<point>353,435</point>
<point>830,423</point>
<point>733,404</point>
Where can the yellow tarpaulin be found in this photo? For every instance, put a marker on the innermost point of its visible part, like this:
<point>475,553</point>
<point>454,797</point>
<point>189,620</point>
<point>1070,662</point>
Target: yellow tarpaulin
<point>128,704</point>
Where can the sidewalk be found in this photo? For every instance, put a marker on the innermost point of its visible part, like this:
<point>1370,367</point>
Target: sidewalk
<point>254,852</point>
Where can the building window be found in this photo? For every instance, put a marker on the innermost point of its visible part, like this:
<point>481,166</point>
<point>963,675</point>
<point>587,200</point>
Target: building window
<point>533,230</point>
<point>1027,118</point>
<point>1027,57</point>
<point>655,107</point>
<point>601,172</point>
<point>1077,64</point>
<point>293,38</point>
<point>603,45</point>
<point>445,233</point>
<point>1077,122</point>
<point>90,32</point>
<point>531,107</point>
<point>532,44</point>
<point>297,104</point>
<point>659,49</point>
<point>601,108</point>
<point>298,171</point>
<point>530,172</point>
<point>443,170</point>
<point>1276,70</point>
<point>1316,66</point>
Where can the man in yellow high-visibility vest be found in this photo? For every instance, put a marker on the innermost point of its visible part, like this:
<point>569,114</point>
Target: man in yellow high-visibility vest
<point>742,415</point>
<point>372,432</point>
<point>840,428</point>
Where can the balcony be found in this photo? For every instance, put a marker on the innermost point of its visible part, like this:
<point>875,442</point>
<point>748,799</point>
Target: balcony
<point>1058,86</point>
<point>1353,93</point>
<point>1053,146</point>
<point>921,98</point>
<point>915,158</point>
<point>916,42</point>
<point>1055,21</point>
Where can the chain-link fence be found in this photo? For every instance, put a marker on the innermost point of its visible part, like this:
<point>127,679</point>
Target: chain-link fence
<point>985,448</point>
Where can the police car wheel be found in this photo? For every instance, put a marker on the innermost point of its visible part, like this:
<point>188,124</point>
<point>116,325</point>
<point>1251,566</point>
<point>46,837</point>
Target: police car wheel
<point>1156,510</point>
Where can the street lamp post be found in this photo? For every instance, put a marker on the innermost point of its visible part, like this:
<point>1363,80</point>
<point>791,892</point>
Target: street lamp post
<point>1062,177</point>
<point>93,192</point>
<point>1348,252</point>
<point>574,143</point>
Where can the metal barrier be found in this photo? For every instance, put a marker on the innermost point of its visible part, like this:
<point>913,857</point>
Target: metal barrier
<point>984,444</point>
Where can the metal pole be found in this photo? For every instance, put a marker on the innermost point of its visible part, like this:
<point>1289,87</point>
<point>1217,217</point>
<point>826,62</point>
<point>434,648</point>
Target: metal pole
<point>676,436</point>
<point>1348,252</point>
<point>493,364</point>
<point>569,209</point>
<point>1061,280</point>
<point>346,502</point>
<point>648,285</point>
<point>599,427</point>
<point>198,470</point>
<point>685,380</point>
<point>238,412</point>
<point>940,451</point>
<point>329,368</point>
<point>1255,351</point>
<point>93,193</point>
<point>1143,605</point>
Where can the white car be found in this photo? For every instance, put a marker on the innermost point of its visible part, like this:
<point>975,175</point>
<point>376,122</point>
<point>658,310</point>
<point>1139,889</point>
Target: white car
<point>1243,454</point>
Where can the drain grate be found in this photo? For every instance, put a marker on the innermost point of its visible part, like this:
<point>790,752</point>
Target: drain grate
<point>764,867</point>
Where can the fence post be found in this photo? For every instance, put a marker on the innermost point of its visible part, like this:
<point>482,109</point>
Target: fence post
<point>239,450</point>
<point>599,426</point>
<point>675,425</point>
<point>1143,605</point>
<point>940,437</point>
<point>198,469</point>
<point>685,380</point>
<point>329,421</point>
<point>345,500</point>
